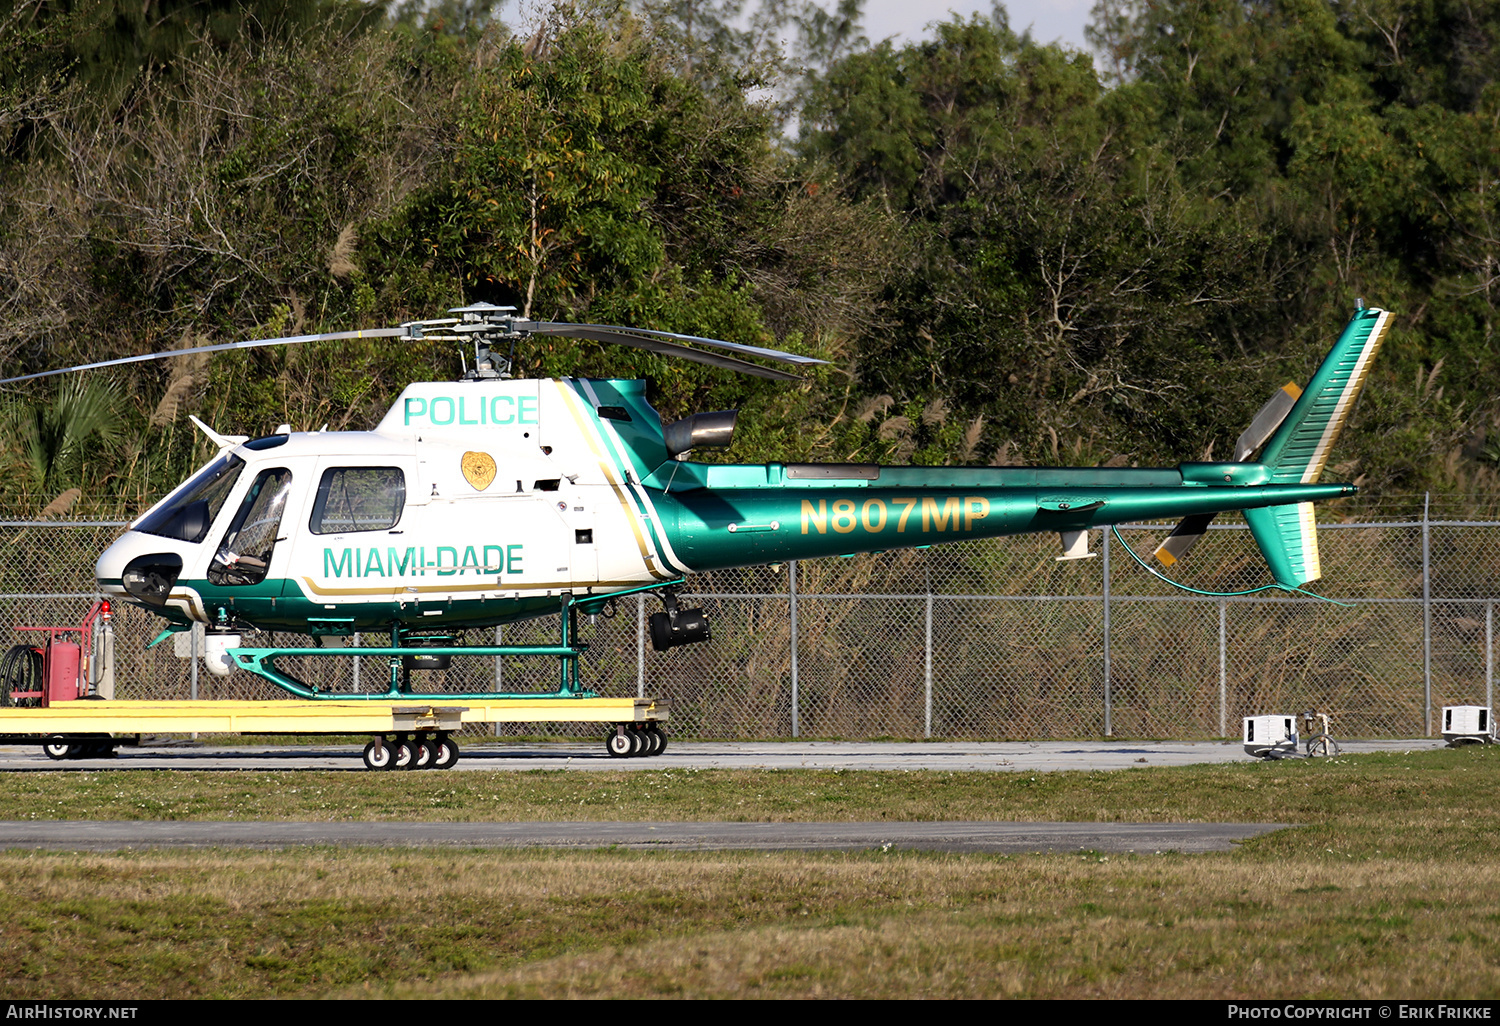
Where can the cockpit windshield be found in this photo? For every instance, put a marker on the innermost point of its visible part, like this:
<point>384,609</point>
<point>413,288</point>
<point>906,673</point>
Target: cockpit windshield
<point>189,516</point>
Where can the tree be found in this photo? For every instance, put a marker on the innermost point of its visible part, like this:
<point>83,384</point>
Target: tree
<point>1360,137</point>
<point>1064,285</point>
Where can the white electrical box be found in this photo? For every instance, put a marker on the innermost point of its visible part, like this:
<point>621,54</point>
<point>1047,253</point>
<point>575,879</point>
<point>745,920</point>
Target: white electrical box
<point>1270,737</point>
<point>1468,725</point>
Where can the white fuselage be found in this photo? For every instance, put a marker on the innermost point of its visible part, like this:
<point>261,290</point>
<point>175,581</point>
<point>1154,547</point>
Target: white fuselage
<point>508,490</point>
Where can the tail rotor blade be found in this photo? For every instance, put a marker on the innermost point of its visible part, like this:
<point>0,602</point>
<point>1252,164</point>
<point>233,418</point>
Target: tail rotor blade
<point>1186,534</point>
<point>1183,537</point>
<point>1267,421</point>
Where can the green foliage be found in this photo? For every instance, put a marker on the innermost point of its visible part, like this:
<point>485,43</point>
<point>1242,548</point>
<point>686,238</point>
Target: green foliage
<point>51,444</point>
<point>1009,256</point>
<point>546,193</point>
<point>1361,138</point>
<point>1066,287</point>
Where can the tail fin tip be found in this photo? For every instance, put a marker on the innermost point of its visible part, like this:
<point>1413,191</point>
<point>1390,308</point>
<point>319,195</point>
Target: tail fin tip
<point>1299,450</point>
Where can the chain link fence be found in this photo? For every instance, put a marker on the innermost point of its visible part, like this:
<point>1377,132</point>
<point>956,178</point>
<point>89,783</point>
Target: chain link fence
<point>993,639</point>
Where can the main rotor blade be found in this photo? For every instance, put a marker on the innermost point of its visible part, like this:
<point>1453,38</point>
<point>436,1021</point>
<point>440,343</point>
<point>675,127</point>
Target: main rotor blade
<point>639,338</point>
<point>247,344</point>
<point>630,336</point>
<point>600,334</point>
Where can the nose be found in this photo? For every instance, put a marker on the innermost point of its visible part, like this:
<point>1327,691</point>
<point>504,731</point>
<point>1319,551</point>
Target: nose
<point>142,567</point>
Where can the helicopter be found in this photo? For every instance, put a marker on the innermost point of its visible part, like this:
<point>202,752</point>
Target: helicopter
<point>494,499</point>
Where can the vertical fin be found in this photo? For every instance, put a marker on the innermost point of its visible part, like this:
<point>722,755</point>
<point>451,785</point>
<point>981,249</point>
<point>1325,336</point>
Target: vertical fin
<point>1299,450</point>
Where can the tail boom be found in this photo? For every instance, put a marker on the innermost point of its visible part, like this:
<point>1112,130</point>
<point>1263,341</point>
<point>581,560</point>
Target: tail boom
<point>716,530</point>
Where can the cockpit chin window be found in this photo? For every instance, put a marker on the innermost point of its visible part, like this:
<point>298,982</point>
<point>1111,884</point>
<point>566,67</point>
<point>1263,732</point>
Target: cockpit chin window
<point>189,516</point>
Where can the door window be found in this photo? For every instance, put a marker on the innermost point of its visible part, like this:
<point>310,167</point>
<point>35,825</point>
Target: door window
<point>352,499</point>
<point>244,556</point>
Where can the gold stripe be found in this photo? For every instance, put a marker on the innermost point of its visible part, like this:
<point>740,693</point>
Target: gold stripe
<point>631,517</point>
<point>1344,405</point>
<point>448,589</point>
<point>1312,563</point>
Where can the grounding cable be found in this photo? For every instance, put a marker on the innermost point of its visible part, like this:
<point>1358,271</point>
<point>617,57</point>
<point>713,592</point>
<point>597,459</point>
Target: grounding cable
<point>1220,594</point>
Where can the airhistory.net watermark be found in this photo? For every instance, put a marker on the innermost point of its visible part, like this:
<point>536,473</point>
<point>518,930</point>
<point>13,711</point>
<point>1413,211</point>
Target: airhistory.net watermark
<point>48,1010</point>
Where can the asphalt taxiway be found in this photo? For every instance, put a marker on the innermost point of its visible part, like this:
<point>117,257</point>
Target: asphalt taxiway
<point>492,754</point>
<point>994,838</point>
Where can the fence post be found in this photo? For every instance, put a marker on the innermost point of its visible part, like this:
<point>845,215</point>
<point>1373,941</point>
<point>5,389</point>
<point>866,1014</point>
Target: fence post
<point>354,640</point>
<point>927,727</point>
<point>1223,671</point>
<point>1489,656</point>
<point>1109,730</point>
<point>640,646</point>
<point>792,593</point>
<point>1426,618</point>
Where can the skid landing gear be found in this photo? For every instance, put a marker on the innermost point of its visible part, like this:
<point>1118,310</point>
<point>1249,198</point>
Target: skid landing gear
<point>627,740</point>
<point>421,750</point>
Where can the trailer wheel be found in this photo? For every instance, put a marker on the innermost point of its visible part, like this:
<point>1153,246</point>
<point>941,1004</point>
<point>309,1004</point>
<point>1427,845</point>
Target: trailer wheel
<point>55,749</point>
<point>658,739</point>
<point>403,755</point>
<point>377,758</point>
<point>447,754</point>
<point>619,745</point>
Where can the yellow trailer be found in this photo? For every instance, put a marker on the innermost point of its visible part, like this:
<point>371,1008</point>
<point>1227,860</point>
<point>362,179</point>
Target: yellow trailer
<point>407,733</point>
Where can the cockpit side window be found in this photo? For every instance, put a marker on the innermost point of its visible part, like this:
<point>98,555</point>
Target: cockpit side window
<point>190,515</point>
<point>352,499</point>
<point>244,555</point>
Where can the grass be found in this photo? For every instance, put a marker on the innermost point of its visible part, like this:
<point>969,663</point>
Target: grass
<point>1388,891</point>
